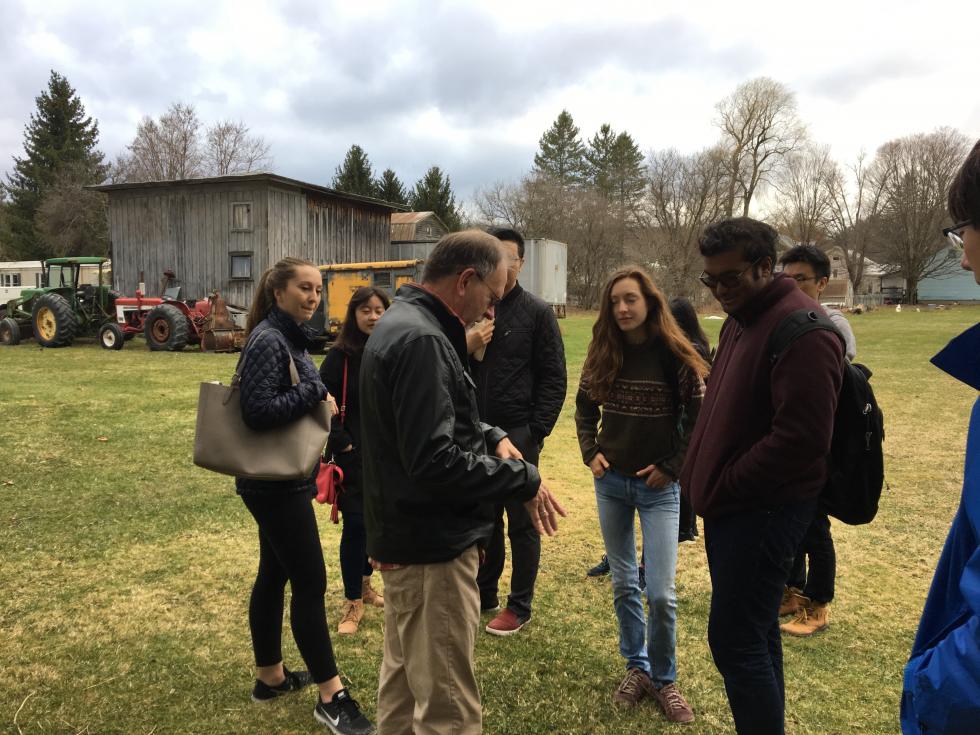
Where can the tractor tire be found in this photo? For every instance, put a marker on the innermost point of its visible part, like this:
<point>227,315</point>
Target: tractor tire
<point>9,332</point>
<point>54,321</point>
<point>111,336</point>
<point>166,329</point>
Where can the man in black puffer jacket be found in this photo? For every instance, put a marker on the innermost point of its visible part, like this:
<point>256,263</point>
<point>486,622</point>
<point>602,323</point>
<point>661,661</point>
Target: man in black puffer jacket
<point>430,485</point>
<point>521,382</point>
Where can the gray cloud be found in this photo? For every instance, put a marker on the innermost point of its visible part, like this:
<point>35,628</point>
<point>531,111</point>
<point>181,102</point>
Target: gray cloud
<point>847,82</point>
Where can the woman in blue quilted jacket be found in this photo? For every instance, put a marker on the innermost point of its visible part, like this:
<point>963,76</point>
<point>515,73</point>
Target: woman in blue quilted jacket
<point>289,542</point>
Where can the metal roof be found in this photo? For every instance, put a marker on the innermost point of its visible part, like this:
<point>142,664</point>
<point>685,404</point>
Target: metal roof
<point>81,260</point>
<point>404,225</point>
<point>254,176</point>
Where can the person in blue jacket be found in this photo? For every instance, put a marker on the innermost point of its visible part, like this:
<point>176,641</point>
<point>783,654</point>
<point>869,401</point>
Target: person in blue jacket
<point>941,692</point>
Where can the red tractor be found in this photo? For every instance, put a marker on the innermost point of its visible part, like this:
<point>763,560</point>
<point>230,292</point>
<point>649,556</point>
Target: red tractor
<point>169,323</point>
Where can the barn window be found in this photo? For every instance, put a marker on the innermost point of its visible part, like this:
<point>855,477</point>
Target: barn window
<point>241,217</point>
<point>241,266</point>
<point>382,279</point>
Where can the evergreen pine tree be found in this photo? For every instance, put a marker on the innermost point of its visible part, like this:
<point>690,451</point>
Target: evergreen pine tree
<point>434,193</point>
<point>355,175</point>
<point>627,173</point>
<point>561,155</point>
<point>598,159</point>
<point>389,188</point>
<point>59,138</point>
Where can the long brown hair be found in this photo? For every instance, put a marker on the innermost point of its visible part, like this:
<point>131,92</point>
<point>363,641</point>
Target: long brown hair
<point>271,281</point>
<point>351,339</point>
<point>604,359</point>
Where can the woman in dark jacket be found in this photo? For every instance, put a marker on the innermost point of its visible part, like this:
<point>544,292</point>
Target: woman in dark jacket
<point>687,319</point>
<point>289,543</point>
<point>365,308</point>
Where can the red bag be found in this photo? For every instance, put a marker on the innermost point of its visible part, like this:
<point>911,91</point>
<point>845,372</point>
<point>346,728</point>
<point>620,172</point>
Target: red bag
<point>329,484</point>
<point>330,479</point>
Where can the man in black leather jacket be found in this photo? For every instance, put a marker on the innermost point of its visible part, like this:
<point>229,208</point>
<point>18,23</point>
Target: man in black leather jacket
<point>521,382</point>
<point>430,485</point>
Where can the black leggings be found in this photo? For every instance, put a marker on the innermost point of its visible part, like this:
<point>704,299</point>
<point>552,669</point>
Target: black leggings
<point>289,549</point>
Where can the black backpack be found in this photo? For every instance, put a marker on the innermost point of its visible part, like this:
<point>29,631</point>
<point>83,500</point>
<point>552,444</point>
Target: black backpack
<point>856,462</point>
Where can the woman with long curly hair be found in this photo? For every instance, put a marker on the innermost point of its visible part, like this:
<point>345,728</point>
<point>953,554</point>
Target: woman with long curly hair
<point>638,399</point>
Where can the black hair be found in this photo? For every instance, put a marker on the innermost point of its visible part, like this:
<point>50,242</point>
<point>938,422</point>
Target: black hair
<point>756,239</point>
<point>964,194</point>
<point>351,339</point>
<point>811,254</point>
<point>687,319</point>
<point>458,251</point>
<point>505,234</point>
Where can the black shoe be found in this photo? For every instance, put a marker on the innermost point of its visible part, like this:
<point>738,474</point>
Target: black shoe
<point>294,681</point>
<point>686,536</point>
<point>643,578</point>
<point>599,570</point>
<point>342,715</point>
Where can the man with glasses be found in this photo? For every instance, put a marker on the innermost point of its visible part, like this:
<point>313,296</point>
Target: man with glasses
<point>809,591</point>
<point>520,387</point>
<point>757,461</point>
<point>432,471</point>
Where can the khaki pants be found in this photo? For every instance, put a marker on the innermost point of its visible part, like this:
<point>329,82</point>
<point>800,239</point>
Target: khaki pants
<point>427,685</point>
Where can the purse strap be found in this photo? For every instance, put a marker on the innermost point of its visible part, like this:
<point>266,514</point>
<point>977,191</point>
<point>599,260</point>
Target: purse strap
<point>293,372</point>
<point>343,396</point>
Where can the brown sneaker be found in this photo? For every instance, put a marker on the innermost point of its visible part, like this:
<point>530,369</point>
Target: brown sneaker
<point>793,601</point>
<point>809,620</point>
<point>635,686</point>
<point>369,596</point>
<point>672,702</point>
<point>350,617</point>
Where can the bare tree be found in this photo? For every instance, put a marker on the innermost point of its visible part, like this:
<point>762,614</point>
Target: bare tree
<point>594,246</point>
<point>229,149</point>
<point>854,205</point>
<point>72,220</point>
<point>914,174</point>
<point>759,128</point>
<point>167,149</point>
<point>684,194</point>
<point>803,189</point>
<point>174,147</point>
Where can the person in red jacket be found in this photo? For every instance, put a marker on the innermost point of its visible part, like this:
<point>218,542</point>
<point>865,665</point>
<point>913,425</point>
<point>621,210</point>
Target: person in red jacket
<point>757,461</point>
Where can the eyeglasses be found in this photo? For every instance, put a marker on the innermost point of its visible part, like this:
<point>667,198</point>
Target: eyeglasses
<point>953,233</point>
<point>800,278</point>
<point>728,280</point>
<point>494,299</point>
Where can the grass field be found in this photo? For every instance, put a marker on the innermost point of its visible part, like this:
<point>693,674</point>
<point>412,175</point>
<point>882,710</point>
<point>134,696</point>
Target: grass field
<point>125,570</point>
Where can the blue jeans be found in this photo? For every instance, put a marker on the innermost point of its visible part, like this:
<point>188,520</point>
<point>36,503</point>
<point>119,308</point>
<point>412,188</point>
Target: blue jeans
<point>647,645</point>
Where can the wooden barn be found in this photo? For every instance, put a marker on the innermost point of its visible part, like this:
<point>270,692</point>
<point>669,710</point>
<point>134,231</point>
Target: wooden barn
<point>223,232</point>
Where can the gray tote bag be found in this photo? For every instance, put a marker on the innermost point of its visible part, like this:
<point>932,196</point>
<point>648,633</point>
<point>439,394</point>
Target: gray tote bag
<point>223,443</point>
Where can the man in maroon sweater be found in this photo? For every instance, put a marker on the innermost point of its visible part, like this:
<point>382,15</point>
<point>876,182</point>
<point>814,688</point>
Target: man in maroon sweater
<point>757,461</point>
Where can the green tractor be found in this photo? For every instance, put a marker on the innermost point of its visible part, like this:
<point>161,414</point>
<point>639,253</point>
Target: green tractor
<point>62,308</point>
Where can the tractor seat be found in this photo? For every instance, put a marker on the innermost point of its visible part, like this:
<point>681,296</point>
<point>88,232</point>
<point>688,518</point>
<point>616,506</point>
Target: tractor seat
<point>172,293</point>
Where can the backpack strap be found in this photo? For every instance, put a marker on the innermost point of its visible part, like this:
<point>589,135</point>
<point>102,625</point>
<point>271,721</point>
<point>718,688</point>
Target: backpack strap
<point>793,326</point>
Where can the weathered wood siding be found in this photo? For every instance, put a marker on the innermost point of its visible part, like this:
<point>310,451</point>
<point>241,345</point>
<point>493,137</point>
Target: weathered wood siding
<point>342,232</point>
<point>190,229</point>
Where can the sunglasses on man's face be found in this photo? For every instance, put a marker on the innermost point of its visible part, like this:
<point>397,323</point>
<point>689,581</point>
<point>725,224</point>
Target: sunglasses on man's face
<point>732,279</point>
<point>955,233</point>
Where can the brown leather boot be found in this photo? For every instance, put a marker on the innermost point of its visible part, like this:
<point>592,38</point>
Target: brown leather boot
<point>812,618</point>
<point>369,596</point>
<point>793,601</point>
<point>350,617</point>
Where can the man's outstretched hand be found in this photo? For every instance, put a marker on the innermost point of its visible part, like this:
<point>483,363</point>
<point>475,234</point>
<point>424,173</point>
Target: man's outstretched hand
<point>544,510</point>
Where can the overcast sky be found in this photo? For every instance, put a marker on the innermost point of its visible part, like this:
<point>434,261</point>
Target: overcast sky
<point>472,86</point>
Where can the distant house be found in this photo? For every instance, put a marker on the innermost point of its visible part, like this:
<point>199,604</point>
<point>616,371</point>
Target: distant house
<point>224,232</point>
<point>412,234</point>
